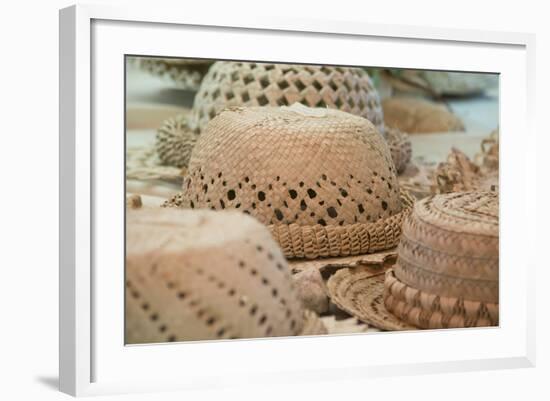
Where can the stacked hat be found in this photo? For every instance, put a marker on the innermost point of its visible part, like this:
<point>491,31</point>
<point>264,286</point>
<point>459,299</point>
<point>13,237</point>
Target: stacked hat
<point>446,274</point>
<point>230,84</point>
<point>321,179</point>
<point>200,275</point>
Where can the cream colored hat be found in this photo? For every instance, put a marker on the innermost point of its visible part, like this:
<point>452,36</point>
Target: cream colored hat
<point>230,84</point>
<point>322,180</point>
<point>200,275</point>
<point>446,274</point>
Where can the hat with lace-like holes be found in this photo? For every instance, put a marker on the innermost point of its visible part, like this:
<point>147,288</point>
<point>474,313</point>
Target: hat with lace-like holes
<point>322,180</point>
<point>201,275</point>
<point>229,84</point>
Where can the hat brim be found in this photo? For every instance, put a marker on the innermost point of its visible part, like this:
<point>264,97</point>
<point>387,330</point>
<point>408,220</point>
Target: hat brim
<point>317,241</point>
<point>360,292</point>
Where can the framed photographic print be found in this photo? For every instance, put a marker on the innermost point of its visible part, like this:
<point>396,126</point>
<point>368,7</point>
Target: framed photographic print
<point>260,200</point>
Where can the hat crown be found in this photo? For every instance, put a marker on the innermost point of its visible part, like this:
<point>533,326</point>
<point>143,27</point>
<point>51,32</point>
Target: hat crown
<point>450,246</point>
<point>202,275</point>
<point>262,84</point>
<point>293,165</point>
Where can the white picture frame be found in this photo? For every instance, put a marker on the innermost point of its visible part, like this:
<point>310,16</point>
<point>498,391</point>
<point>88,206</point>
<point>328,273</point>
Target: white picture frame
<point>93,358</point>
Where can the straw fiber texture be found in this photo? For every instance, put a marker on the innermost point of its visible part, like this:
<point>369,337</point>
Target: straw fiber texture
<point>360,292</point>
<point>432,311</point>
<point>200,275</point>
<point>230,84</point>
<point>321,179</point>
<point>175,141</point>
<point>447,270</point>
<point>258,84</point>
<point>416,115</point>
<point>184,73</point>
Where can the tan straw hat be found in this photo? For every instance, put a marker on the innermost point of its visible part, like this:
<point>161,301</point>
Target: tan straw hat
<point>202,275</point>
<point>322,180</point>
<point>447,269</point>
<point>230,84</point>
<point>446,274</point>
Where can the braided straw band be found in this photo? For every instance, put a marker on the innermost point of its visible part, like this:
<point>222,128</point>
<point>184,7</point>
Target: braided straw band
<point>314,241</point>
<point>431,311</point>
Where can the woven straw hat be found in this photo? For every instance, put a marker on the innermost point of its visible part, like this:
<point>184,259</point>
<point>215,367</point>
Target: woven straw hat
<point>360,292</point>
<point>447,270</point>
<point>230,84</point>
<point>322,180</point>
<point>446,274</point>
<point>201,275</point>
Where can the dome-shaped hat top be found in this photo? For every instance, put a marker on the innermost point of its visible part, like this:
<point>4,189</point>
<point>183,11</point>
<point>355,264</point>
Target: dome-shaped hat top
<point>199,275</point>
<point>262,84</point>
<point>295,166</point>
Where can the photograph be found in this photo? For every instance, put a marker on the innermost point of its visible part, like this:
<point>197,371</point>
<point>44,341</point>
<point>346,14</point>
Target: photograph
<point>274,199</point>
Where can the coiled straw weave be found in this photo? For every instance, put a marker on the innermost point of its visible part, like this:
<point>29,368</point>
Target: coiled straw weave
<point>200,275</point>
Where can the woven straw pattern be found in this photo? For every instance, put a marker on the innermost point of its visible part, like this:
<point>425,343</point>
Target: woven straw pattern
<point>200,275</point>
<point>415,115</point>
<point>175,141</point>
<point>184,73</point>
<point>259,84</point>
<point>433,311</point>
<point>360,292</point>
<point>448,250</point>
<point>316,241</point>
<point>400,148</point>
<point>323,180</point>
<point>143,164</point>
<point>229,84</point>
<point>450,246</point>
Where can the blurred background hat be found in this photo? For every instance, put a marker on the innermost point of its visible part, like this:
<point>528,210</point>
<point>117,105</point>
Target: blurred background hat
<point>201,275</point>
<point>230,84</point>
